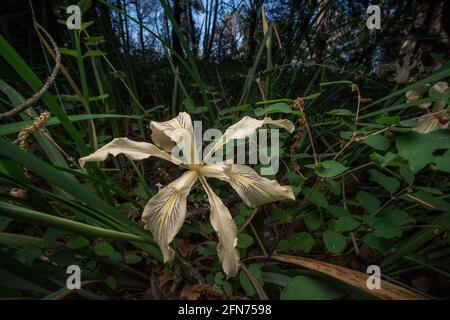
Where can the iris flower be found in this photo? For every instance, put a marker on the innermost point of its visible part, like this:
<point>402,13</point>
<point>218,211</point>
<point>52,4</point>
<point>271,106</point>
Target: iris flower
<point>165,212</point>
<point>436,118</point>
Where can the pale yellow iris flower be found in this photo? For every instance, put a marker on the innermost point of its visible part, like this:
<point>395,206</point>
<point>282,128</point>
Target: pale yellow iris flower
<point>165,212</point>
<point>436,117</point>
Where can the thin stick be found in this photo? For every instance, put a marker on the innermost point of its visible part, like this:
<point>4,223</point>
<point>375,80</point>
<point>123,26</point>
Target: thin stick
<point>38,95</point>
<point>298,104</point>
<point>255,211</point>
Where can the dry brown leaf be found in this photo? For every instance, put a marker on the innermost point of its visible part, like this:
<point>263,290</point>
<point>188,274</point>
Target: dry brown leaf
<point>165,278</point>
<point>189,294</point>
<point>259,290</point>
<point>388,291</point>
<point>184,248</point>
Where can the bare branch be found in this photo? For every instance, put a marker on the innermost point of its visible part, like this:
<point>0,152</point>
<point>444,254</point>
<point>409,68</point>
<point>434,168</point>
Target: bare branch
<point>38,95</point>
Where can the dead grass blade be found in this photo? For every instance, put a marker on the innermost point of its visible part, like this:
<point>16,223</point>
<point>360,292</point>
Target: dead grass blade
<point>388,291</point>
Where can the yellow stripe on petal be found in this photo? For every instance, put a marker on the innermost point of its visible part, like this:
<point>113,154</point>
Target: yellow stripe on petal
<point>224,225</point>
<point>427,125</point>
<point>165,212</point>
<point>254,189</point>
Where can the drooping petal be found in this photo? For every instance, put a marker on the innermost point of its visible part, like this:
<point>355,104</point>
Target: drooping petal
<point>224,225</point>
<point>441,87</point>
<point>165,212</point>
<point>133,150</point>
<point>176,132</point>
<point>251,187</point>
<point>416,94</point>
<point>427,124</point>
<point>245,128</point>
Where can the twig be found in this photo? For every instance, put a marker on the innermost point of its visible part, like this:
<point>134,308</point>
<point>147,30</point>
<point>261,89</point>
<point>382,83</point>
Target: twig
<point>258,239</point>
<point>355,88</point>
<point>298,104</point>
<point>38,95</point>
<point>352,234</point>
<point>255,211</point>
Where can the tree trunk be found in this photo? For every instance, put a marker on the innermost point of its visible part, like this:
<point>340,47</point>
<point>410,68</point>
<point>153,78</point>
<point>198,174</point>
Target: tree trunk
<point>322,29</point>
<point>251,29</point>
<point>176,43</point>
<point>213,31</point>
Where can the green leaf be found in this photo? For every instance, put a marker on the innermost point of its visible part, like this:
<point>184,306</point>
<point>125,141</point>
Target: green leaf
<point>377,243</point>
<point>309,288</point>
<point>227,288</point>
<point>4,222</point>
<point>133,259</point>
<point>244,210</point>
<point>346,223</point>
<point>389,121</point>
<point>377,142</point>
<point>333,186</point>
<point>280,107</point>
<point>303,241</point>
<point>68,52</point>
<point>313,220</point>
<point>429,190</point>
<point>317,197</point>
<point>93,53</point>
<point>111,282</point>
<point>338,211</point>
<point>398,218</point>
<point>438,96</point>
<point>246,284</point>
<point>389,160</point>
<point>408,123</point>
<point>334,242</point>
<point>330,169</point>
<point>244,241</point>
<point>419,148</point>
<point>207,248</point>
<point>75,98</point>
<point>389,183</point>
<point>312,96</point>
<point>443,162</point>
<point>28,215</point>
<point>52,234</point>
<point>103,249</point>
<point>383,228</point>
<point>341,113</point>
<point>77,242</point>
<point>406,174</point>
<point>368,201</point>
<point>192,108</point>
<point>86,25</point>
<point>257,273</point>
<point>94,40</point>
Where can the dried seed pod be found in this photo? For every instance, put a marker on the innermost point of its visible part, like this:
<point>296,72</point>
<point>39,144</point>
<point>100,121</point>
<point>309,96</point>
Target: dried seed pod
<point>19,193</point>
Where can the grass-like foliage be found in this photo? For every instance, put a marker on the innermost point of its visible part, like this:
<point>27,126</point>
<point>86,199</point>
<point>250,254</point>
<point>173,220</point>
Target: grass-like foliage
<point>363,177</point>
